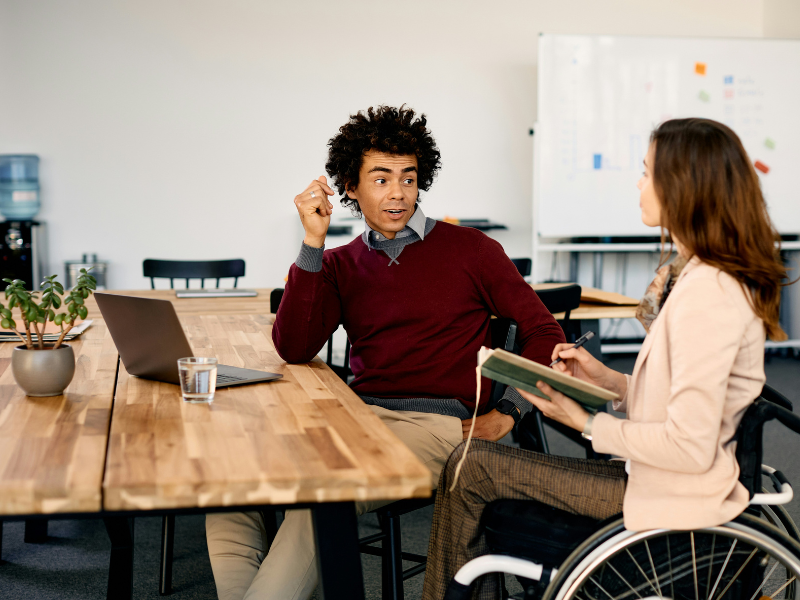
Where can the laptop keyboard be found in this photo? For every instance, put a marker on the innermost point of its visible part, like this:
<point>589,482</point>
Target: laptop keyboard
<point>229,378</point>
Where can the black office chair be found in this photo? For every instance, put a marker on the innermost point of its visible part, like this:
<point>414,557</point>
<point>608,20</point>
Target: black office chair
<point>504,333</point>
<point>531,433</point>
<point>523,265</point>
<point>192,269</point>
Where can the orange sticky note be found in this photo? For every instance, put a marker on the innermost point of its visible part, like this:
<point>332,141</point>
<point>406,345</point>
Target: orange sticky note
<point>700,68</point>
<point>761,167</point>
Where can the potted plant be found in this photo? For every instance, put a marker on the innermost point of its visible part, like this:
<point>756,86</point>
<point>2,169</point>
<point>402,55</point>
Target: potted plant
<point>43,369</point>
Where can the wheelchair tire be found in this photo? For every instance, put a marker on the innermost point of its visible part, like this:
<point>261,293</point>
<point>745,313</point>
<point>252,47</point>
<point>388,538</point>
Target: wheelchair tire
<point>735,561</point>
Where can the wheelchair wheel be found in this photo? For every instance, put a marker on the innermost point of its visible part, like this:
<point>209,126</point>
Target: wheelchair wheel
<point>746,559</point>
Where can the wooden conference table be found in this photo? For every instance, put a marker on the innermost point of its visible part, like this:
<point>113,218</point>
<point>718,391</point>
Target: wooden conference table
<point>116,446</point>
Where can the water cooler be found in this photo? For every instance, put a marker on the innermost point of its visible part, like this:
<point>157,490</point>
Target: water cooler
<point>22,252</point>
<point>22,240</point>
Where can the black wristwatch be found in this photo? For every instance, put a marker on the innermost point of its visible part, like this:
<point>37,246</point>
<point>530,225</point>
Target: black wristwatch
<point>507,407</point>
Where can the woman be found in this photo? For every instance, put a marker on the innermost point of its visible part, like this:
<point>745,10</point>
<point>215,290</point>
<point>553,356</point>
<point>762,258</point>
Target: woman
<point>701,365</point>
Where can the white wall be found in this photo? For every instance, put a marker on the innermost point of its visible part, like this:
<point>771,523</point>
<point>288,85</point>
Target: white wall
<point>184,129</point>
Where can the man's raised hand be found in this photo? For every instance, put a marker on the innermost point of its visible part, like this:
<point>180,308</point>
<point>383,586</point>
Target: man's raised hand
<point>315,211</point>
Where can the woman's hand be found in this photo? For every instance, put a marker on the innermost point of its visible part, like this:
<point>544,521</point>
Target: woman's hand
<point>559,408</point>
<point>579,363</point>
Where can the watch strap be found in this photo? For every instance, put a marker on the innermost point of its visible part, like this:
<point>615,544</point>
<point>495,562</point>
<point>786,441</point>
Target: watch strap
<point>507,407</point>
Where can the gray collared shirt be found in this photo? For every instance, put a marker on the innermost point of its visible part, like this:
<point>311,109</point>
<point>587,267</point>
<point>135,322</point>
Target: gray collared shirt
<point>416,224</point>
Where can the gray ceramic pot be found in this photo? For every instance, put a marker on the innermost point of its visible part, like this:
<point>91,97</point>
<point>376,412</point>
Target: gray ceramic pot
<point>43,372</point>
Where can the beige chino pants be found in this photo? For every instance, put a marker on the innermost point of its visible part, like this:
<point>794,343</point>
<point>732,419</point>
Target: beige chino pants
<point>243,569</point>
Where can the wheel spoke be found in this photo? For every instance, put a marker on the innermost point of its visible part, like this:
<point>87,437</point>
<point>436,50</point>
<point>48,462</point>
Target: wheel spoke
<point>730,583</point>
<point>638,566</point>
<point>763,583</point>
<point>669,561</point>
<point>694,567</point>
<point>722,570</point>
<point>624,580</point>
<point>711,565</point>
<point>780,589</point>
<point>653,566</point>
<point>602,589</point>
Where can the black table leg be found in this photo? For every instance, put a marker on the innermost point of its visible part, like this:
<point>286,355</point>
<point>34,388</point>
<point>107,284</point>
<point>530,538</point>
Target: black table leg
<point>35,531</point>
<point>120,569</point>
<point>338,556</point>
<point>167,541</point>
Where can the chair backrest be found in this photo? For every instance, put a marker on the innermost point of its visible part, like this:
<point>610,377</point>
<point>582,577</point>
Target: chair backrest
<point>192,269</point>
<point>750,436</point>
<point>523,265</point>
<point>560,299</point>
<point>504,335</point>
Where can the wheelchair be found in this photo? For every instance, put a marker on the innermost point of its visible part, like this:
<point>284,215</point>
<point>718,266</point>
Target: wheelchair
<point>560,556</point>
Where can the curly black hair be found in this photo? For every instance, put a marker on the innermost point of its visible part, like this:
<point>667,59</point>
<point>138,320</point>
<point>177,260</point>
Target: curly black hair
<point>385,129</point>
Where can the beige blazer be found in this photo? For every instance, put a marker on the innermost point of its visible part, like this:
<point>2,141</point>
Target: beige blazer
<point>700,367</point>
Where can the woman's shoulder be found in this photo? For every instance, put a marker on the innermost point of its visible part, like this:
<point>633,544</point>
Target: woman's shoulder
<point>709,284</point>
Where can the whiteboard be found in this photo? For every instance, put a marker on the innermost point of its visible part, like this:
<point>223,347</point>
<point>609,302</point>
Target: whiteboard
<point>600,97</point>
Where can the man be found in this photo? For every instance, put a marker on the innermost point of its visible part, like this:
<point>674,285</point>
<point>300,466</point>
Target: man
<point>415,297</point>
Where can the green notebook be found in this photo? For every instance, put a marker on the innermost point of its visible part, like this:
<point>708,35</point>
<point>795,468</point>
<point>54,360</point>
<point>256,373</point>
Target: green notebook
<point>524,374</point>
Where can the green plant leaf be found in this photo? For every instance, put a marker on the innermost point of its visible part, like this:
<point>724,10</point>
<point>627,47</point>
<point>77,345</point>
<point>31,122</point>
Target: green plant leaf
<point>56,302</point>
<point>77,298</point>
<point>72,308</point>
<point>5,323</point>
<point>83,312</point>
<point>59,318</point>
<point>12,302</point>
<point>6,313</point>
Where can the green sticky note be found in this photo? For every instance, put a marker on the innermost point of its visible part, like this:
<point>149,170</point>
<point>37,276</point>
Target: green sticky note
<point>704,96</point>
<point>769,143</point>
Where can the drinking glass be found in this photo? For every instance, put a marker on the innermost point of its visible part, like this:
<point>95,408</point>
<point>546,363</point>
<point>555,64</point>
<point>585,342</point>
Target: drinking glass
<point>198,376</point>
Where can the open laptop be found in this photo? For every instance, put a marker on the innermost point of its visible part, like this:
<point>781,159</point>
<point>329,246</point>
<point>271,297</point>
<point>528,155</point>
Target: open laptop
<point>150,340</point>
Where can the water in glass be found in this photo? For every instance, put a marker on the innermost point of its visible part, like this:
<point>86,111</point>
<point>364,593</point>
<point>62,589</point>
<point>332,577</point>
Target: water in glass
<point>198,376</point>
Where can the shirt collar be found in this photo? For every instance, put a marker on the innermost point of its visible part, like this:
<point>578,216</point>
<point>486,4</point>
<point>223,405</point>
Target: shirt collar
<point>416,224</point>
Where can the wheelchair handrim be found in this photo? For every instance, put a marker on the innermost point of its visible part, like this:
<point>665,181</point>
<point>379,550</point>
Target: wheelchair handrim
<point>578,575</point>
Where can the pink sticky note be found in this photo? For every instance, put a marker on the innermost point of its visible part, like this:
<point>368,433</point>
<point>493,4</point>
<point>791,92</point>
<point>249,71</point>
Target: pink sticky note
<point>761,167</point>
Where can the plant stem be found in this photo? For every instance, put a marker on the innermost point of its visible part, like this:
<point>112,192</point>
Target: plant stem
<point>39,340</point>
<point>28,345</point>
<point>61,337</point>
<point>28,333</point>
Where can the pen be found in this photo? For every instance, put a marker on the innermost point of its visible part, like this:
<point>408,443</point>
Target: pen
<point>581,341</point>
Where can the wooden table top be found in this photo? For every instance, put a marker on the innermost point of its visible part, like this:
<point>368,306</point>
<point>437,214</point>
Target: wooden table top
<point>257,305</point>
<point>260,305</point>
<point>305,438</point>
<point>52,450</point>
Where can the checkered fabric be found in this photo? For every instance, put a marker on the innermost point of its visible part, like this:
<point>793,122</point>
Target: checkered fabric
<point>594,488</point>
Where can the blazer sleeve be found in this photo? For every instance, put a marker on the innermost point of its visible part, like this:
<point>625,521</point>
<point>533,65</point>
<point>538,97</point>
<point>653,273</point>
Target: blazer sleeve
<point>705,331</point>
<point>309,312</point>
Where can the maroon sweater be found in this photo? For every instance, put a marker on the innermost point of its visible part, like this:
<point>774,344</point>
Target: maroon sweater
<point>415,327</point>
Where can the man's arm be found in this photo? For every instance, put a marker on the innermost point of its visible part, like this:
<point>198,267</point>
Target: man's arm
<point>310,309</point>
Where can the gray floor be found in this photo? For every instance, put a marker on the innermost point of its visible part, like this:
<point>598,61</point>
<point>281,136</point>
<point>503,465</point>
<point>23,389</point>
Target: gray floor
<point>73,563</point>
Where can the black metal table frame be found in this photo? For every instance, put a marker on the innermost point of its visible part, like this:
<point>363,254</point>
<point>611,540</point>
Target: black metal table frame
<point>335,533</point>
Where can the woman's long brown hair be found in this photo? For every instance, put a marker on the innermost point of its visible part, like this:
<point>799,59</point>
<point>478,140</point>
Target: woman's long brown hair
<point>711,202</point>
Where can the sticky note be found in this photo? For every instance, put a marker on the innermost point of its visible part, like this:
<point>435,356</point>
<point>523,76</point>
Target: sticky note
<point>728,79</point>
<point>703,96</point>
<point>769,143</point>
<point>598,161</point>
<point>761,167</point>
<point>729,93</point>
<point>700,68</point>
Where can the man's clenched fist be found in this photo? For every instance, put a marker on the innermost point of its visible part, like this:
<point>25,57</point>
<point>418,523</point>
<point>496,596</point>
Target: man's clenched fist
<point>315,211</point>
